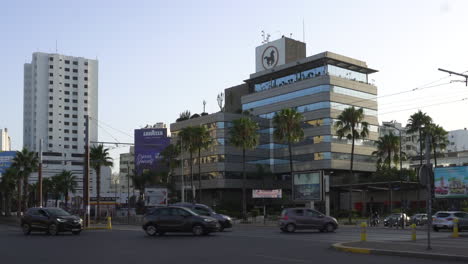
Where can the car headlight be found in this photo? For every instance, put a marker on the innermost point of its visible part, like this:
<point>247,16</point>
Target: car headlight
<point>61,220</point>
<point>207,220</point>
<point>81,221</point>
<point>228,218</point>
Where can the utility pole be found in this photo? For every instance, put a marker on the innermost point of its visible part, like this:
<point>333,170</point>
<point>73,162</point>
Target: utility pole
<point>456,73</point>
<point>86,199</point>
<point>39,173</point>
<point>182,190</point>
<point>428,181</point>
<point>128,192</point>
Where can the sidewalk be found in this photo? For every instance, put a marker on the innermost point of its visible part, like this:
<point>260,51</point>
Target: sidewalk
<point>444,249</point>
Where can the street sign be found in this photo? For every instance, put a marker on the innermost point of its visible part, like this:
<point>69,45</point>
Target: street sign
<point>267,193</point>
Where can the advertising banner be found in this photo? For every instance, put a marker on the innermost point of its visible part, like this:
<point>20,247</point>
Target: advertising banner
<point>267,193</point>
<point>307,186</point>
<point>451,182</point>
<point>6,159</point>
<point>148,144</point>
<point>155,196</point>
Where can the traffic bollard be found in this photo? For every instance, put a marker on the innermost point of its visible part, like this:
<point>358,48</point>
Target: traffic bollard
<point>455,228</point>
<point>109,223</point>
<point>363,231</point>
<point>413,232</point>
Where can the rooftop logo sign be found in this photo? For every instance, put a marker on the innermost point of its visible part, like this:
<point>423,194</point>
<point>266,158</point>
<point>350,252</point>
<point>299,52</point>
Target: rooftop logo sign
<point>270,57</point>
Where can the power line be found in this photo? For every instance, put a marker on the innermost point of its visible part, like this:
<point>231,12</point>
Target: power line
<point>419,107</point>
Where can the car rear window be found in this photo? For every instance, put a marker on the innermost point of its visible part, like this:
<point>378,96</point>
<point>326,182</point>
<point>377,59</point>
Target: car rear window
<point>461,215</point>
<point>442,215</point>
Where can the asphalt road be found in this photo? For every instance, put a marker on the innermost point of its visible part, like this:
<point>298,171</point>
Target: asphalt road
<point>126,244</point>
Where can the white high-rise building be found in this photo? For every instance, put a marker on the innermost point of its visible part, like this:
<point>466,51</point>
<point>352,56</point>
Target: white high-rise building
<point>458,140</point>
<point>59,91</point>
<point>5,140</point>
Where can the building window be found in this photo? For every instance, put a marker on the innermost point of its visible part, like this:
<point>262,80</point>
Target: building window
<point>51,121</point>
<point>74,147</point>
<point>66,131</point>
<point>75,124</point>
<point>85,101</point>
<point>50,145</point>
<point>67,123</point>
<point>75,139</point>
<point>50,114</point>
<point>67,77</point>
<point>51,66</point>
<point>75,116</point>
<point>86,71</point>
<point>66,146</point>
<point>67,115</point>
<point>66,138</point>
<point>75,63</point>
<point>67,69</point>
<point>51,105</point>
<point>67,62</point>
<point>51,90</point>
<point>67,108</point>
<point>51,98</point>
<point>51,82</point>
<point>75,131</point>
<point>67,85</point>
<point>75,108</point>
<point>86,94</point>
<point>50,137</point>
<point>75,85</point>
<point>67,100</point>
<point>67,92</point>
<point>75,70</point>
<point>85,78</point>
<point>50,129</point>
<point>86,109</point>
<point>75,78</point>
<point>51,59</point>
<point>85,86</point>
<point>75,101</point>
<point>51,74</point>
<point>86,63</point>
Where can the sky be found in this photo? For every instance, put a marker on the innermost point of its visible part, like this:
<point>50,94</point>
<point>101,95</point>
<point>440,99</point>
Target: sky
<point>159,58</point>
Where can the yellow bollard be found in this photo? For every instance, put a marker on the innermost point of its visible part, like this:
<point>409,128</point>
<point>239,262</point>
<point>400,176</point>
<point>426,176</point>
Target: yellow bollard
<point>413,232</point>
<point>363,231</point>
<point>109,223</point>
<point>455,228</point>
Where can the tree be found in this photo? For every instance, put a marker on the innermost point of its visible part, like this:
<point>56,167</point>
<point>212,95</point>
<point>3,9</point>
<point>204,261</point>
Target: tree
<point>201,141</point>
<point>183,116</point>
<point>140,181</point>
<point>67,184</point>
<point>388,148</point>
<point>288,129</point>
<point>25,163</point>
<point>187,135</point>
<point>47,188</point>
<point>244,135</point>
<point>416,123</point>
<point>7,188</point>
<point>350,124</point>
<point>438,137</point>
<point>169,157</point>
<point>99,156</point>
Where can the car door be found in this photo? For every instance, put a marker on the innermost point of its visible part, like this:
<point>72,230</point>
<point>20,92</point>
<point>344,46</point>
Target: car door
<point>300,218</point>
<point>182,221</point>
<point>314,219</point>
<point>163,219</point>
<point>42,219</point>
<point>31,218</point>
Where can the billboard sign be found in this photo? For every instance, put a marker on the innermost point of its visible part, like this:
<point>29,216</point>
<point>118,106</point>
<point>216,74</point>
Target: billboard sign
<point>6,159</point>
<point>148,144</point>
<point>451,182</point>
<point>155,196</point>
<point>307,186</point>
<point>267,193</point>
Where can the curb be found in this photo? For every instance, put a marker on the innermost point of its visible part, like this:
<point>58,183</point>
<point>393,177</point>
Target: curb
<point>413,254</point>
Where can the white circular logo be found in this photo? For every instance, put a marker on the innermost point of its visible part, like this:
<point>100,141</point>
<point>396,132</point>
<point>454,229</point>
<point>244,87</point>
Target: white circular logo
<point>270,57</point>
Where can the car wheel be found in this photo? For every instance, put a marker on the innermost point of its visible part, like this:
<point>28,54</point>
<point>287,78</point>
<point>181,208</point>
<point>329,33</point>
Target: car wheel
<point>329,228</point>
<point>290,228</point>
<point>198,230</point>
<point>76,232</point>
<point>151,230</point>
<point>26,229</point>
<point>52,230</point>
<point>435,228</point>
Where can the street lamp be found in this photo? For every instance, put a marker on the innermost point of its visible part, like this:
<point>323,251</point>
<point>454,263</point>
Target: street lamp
<point>20,188</point>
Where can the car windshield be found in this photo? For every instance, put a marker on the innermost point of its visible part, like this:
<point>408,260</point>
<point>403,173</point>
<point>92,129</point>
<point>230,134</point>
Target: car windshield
<point>57,212</point>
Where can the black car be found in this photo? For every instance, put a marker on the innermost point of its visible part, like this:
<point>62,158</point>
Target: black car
<point>50,220</point>
<point>201,209</point>
<point>178,219</point>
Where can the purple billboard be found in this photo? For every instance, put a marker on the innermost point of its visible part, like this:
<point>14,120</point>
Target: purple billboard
<point>149,142</point>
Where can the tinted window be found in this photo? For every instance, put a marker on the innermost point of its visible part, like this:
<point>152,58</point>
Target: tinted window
<point>180,212</point>
<point>57,212</point>
<point>299,212</point>
<point>201,211</point>
<point>442,215</point>
<point>312,213</point>
<point>33,211</point>
<point>164,211</point>
<point>461,215</point>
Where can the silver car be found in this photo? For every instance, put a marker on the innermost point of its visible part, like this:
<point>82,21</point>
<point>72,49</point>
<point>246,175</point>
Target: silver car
<point>293,219</point>
<point>444,220</point>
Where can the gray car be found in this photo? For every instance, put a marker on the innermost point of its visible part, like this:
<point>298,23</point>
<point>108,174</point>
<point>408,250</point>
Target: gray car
<point>293,219</point>
<point>201,209</point>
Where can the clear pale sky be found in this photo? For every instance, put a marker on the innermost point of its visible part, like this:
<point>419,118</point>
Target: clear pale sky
<point>159,58</point>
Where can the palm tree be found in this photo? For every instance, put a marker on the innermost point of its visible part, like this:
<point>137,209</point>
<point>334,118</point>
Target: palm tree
<point>187,135</point>
<point>7,188</point>
<point>25,162</point>
<point>202,141</point>
<point>47,188</point>
<point>416,123</point>
<point>244,135</point>
<point>67,184</point>
<point>57,189</point>
<point>439,139</point>
<point>348,124</point>
<point>140,181</point>
<point>169,157</point>
<point>388,148</point>
<point>288,129</point>
<point>99,156</point>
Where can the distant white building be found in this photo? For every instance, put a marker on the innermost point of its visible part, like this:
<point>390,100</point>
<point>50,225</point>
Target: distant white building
<point>127,166</point>
<point>59,92</point>
<point>5,140</point>
<point>458,140</point>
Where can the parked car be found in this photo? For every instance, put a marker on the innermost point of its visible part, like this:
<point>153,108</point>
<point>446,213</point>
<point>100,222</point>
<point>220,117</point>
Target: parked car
<point>50,220</point>
<point>293,219</point>
<point>201,209</point>
<point>419,219</point>
<point>396,219</point>
<point>441,190</point>
<point>444,220</point>
<point>178,219</point>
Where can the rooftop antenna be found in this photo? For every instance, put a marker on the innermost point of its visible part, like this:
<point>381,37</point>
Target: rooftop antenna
<point>56,47</point>
<point>204,104</point>
<point>303,30</point>
<point>290,35</point>
<point>265,37</point>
